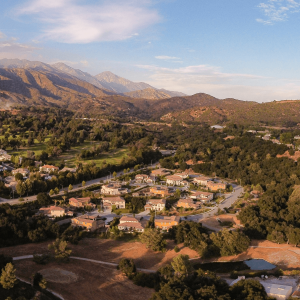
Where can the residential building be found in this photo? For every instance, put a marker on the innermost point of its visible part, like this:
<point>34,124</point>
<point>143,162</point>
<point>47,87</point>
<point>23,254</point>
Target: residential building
<point>48,168</point>
<point>160,191</point>
<point>130,223</point>
<point>202,180</point>
<point>91,223</point>
<point>81,202</point>
<point>140,178</point>
<point>297,137</point>
<point>4,156</point>
<point>255,194</point>
<point>176,180</point>
<point>166,222</point>
<point>279,292</point>
<point>189,162</point>
<point>160,172</point>
<point>54,211</point>
<point>188,203</point>
<point>219,127</point>
<point>37,164</point>
<point>66,169</point>
<point>113,189</point>
<point>22,171</point>
<point>108,202</point>
<point>155,204</point>
<point>215,186</point>
<point>202,196</point>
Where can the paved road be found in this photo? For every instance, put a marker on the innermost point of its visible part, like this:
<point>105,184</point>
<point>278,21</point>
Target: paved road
<point>229,200</point>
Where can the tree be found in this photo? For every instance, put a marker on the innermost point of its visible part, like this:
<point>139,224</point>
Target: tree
<point>114,174</point>
<point>181,265</point>
<point>153,239</point>
<point>56,191</point>
<point>247,290</point>
<point>70,188</point>
<point>8,277</point>
<point>230,242</point>
<point>51,193</point>
<point>83,183</point>
<point>21,188</point>
<point>43,199</point>
<point>60,250</point>
<point>18,177</point>
<point>39,281</point>
<point>127,266</point>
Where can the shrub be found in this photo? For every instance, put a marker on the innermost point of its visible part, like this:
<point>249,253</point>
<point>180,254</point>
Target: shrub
<point>146,280</point>
<point>127,267</point>
<point>176,249</point>
<point>42,259</point>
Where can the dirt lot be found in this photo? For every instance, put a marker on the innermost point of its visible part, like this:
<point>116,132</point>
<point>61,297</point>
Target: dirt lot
<point>89,282</point>
<point>212,222</point>
<point>285,256</point>
<point>109,251</point>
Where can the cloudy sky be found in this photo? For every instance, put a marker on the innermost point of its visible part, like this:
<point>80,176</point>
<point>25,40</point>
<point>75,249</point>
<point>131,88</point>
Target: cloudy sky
<point>247,50</point>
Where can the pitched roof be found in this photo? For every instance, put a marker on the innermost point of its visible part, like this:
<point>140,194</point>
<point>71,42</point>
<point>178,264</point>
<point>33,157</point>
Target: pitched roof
<point>131,224</point>
<point>129,219</point>
<point>49,167</point>
<point>114,199</point>
<point>174,178</point>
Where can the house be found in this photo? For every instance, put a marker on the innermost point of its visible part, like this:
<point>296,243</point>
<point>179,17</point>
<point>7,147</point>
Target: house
<point>54,211</point>
<point>215,186</point>
<point>279,292</point>
<point>130,223</point>
<point>155,204</point>
<point>22,171</point>
<point>81,202</point>
<point>202,180</point>
<point>255,194</point>
<point>160,172</point>
<point>176,180</point>
<point>189,162</point>
<point>165,223</point>
<point>37,164</point>
<point>119,202</point>
<point>4,156</point>
<point>140,178</point>
<point>91,223</point>
<point>188,203</point>
<point>160,191</point>
<point>66,169</point>
<point>297,137</point>
<point>113,189</point>
<point>203,196</point>
<point>48,168</point>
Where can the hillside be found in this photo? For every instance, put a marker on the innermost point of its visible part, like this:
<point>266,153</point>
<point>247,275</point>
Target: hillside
<point>31,87</point>
<point>148,93</point>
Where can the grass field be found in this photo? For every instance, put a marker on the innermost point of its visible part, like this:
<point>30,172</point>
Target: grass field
<point>112,157</point>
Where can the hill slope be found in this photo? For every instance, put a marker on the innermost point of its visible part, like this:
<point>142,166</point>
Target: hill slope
<point>148,93</point>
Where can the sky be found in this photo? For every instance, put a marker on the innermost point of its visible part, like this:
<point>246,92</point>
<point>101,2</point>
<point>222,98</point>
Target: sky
<point>248,50</point>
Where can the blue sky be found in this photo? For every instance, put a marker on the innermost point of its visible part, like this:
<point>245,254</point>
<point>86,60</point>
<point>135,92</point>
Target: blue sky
<point>242,49</point>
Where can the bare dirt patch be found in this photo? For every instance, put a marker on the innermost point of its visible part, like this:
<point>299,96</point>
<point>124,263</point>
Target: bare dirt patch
<point>58,275</point>
<point>212,221</point>
<point>93,281</point>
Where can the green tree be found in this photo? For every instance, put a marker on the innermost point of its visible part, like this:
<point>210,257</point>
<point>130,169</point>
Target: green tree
<point>61,251</point>
<point>114,174</point>
<point>21,188</point>
<point>127,266</point>
<point>230,242</point>
<point>51,193</point>
<point>18,177</point>
<point>83,183</point>
<point>248,290</point>
<point>8,277</point>
<point>181,266</point>
<point>56,191</point>
<point>70,188</point>
<point>153,239</point>
<point>39,281</point>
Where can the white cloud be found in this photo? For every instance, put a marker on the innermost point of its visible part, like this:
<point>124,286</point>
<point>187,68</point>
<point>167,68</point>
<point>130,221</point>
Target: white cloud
<point>165,57</point>
<point>9,48</point>
<point>211,80</point>
<point>277,10</point>
<point>2,35</point>
<point>75,21</point>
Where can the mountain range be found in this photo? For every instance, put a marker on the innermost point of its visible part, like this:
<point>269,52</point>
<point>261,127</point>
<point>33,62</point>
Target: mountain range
<point>105,80</point>
<point>31,83</point>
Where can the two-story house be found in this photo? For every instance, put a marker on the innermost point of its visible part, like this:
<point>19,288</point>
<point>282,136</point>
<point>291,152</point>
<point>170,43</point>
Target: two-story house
<point>91,223</point>
<point>25,172</point>
<point>48,168</point>
<point>162,191</point>
<point>176,180</point>
<point>108,202</point>
<point>54,211</point>
<point>155,204</point>
<point>113,189</point>
<point>81,202</point>
<point>202,196</point>
<point>165,223</point>
<point>202,180</point>
<point>4,156</point>
<point>188,203</point>
<point>130,223</point>
<point>215,186</point>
